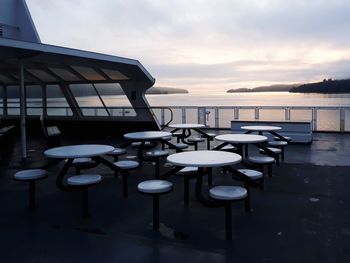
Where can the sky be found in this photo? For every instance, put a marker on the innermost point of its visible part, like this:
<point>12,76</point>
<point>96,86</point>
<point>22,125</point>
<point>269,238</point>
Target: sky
<point>208,45</point>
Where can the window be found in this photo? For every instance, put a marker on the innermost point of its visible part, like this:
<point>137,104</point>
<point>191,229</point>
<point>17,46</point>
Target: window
<point>115,99</point>
<point>57,104</point>
<point>88,100</point>
<point>34,100</point>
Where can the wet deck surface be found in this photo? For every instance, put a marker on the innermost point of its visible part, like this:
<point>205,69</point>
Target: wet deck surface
<point>302,215</point>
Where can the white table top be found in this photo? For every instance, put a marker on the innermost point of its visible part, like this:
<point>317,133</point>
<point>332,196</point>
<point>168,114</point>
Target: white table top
<point>186,125</point>
<point>241,138</point>
<point>78,151</point>
<point>261,128</point>
<point>146,135</point>
<point>204,158</point>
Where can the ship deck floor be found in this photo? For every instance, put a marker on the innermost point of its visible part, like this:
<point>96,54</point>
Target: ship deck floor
<point>302,215</point>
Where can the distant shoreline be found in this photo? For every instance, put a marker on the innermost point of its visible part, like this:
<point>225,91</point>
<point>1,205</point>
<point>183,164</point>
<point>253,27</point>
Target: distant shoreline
<point>327,86</point>
<point>165,90</point>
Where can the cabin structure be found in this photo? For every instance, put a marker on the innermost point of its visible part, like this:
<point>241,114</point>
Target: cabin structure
<point>58,79</point>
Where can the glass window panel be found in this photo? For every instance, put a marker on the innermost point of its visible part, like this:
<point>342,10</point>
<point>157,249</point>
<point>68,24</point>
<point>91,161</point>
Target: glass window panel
<point>246,114</point>
<point>271,114</point>
<point>328,120</point>
<point>65,74</point>
<point>114,74</point>
<point>88,73</point>
<point>57,104</point>
<point>13,100</point>
<point>115,99</point>
<point>301,114</point>
<point>42,75</point>
<point>347,121</point>
<point>225,118</point>
<point>191,115</point>
<point>88,100</point>
<point>34,100</point>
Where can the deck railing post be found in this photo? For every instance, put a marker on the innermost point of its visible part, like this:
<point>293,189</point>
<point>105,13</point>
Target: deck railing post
<point>4,101</point>
<point>183,112</point>
<point>342,120</point>
<point>236,113</point>
<point>162,116</point>
<point>287,114</point>
<point>314,119</point>
<point>256,111</point>
<point>201,114</point>
<point>216,109</point>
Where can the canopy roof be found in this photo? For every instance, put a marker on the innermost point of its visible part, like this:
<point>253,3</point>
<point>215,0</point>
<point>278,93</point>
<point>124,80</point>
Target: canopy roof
<point>47,64</point>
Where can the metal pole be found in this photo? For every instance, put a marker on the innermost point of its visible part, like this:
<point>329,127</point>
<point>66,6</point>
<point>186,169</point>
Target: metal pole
<point>23,114</point>
<point>342,120</point>
<point>183,110</point>
<point>217,117</point>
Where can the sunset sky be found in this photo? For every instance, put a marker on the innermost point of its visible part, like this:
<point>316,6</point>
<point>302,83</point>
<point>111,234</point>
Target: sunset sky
<point>208,45</point>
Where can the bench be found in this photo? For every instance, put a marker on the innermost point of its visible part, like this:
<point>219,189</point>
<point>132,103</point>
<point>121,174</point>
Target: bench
<point>51,131</point>
<point>6,129</point>
<point>298,131</point>
<point>6,132</point>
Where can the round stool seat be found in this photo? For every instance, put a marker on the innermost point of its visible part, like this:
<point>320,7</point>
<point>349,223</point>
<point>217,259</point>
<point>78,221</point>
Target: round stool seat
<point>209,134</point>
<point>275,150</point>
<point>195,139</point>
<point>278,143</point>
<point>117,151</point>
<point>286,137</point>
<point>126,164</point>
<point>166,138</point>
<point>157,153</point>
<point>31,174</point>
<point>253,174</point>
<point>261,159</point>
<point>187,170</point>
<point>181,145</point>
<point>155,186</point>
<point>84,179</point>
<point>228,147</point>
<point>224,192</point>
<point>138,144</point>
<point>82,161</point>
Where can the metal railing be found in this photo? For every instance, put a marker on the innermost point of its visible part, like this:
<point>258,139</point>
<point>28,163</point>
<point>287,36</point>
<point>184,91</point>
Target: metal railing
<point>335,119</point>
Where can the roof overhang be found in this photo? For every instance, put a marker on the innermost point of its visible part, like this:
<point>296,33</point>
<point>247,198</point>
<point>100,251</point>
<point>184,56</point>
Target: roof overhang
<point>47,64</point>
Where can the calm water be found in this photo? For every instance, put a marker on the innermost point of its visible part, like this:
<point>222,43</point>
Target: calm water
<point>250,99</point>
<point>327,120</point>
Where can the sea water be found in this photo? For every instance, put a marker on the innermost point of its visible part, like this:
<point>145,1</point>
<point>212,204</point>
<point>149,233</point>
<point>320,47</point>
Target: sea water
<point>328,120</point>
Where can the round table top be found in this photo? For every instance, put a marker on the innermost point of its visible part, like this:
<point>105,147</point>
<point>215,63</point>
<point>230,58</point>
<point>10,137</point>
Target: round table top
<point>204,158</point>
<point>78,151</point>
<point>186,125</point>
<point>241,138</point>
<point>146,135</point>
<point>261,128</point>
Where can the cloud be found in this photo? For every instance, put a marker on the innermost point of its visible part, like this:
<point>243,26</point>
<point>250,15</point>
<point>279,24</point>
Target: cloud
<point>201,41</point>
